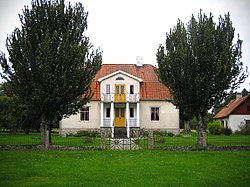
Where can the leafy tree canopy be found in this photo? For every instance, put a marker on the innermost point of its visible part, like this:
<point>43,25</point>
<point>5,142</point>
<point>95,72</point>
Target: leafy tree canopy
<point>200,64</point>
<point>51,61</point>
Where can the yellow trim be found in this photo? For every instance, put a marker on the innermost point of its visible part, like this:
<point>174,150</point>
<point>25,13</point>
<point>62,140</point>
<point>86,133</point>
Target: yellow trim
<point>120,116</point>
<point>120,95</point>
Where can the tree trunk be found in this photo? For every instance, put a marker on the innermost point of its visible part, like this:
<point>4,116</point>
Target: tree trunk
<point>201,129</point>
<point>186,126</point>
<point>45,132</point>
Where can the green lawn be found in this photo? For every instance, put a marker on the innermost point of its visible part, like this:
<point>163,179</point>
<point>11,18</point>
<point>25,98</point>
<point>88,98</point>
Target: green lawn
<point>180,140</point>
<point>34,139</point>
<point>213,140</point>
<point>124,168</point>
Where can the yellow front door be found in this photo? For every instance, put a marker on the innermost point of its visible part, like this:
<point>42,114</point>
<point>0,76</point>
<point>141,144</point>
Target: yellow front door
<point>120,93</point>
<point>120,117</point>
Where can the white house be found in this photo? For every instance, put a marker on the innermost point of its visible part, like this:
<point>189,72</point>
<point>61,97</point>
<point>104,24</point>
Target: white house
<point>128,97</point>
<point>235,113</point>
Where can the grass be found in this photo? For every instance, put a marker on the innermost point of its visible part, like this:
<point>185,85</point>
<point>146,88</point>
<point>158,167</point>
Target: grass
<point>213,140</point>
<point>180,140</point>
<point>34,139</point>
<point>124,168</point>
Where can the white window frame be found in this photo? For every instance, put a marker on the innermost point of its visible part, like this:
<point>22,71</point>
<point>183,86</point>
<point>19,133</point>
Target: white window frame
<point>108,85</point>
<point>81,111</point>
<point>158,113</point>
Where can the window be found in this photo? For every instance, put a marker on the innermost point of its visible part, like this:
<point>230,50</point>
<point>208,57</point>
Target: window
<point>222,123</point>
<point>107,88</point>
<point>107,112</point>
<point>84,114</point>
<point>155,114</point>
<point>131,113</point>
<point>119,79</point>
<point>248,108</point>
<point>131,89</point>
<point>122,113</point>
<point>122,89</point>
<point>117,89</point>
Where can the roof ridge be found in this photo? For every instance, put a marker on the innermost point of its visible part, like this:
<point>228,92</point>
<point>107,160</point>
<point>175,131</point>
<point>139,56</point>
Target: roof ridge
<point>231,107</point>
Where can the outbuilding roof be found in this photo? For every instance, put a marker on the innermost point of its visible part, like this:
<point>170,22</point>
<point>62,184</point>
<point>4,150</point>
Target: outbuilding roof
<point>150,87</point>
<point>231,107</point>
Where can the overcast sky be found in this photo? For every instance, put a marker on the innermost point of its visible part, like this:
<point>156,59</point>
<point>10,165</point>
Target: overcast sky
<point>124,29</point>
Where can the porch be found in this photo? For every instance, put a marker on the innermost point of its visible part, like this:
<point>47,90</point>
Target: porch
<point>123,97</point>
<point>120,115</point>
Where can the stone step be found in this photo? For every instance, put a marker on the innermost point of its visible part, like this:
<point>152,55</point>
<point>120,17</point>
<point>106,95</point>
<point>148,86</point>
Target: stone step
<point>120,132</point>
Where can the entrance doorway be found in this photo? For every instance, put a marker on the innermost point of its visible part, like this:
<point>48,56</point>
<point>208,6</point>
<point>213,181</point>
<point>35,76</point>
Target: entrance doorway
<point>120,117</point>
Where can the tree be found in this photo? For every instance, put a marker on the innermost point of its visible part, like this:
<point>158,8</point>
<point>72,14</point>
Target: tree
<point>51,62</point>
<point>201,64</point>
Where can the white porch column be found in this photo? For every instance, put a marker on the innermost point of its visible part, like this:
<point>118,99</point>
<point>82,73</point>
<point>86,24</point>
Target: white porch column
<point>138,114</point>
<point>102,109</point>
<point>127,119</point>
<point>112,119</point>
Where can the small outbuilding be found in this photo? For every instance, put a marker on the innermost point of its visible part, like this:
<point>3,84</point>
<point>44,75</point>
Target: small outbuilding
<point>236,113</point>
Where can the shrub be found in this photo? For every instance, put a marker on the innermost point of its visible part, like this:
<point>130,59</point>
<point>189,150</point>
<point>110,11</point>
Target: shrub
<point>226,131</point>
<point>163,133</point>
<point>170,134</point>
<point>88,139</point>
<point>93,134</point>
<point>215,127</point>
<point>159,139</point>
<point>81,133</point>
<point>244,129</point>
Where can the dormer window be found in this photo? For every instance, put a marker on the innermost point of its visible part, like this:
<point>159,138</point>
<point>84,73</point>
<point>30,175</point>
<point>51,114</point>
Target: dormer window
<point>107,88</point>
<point>131,89</point>
<point>119,79</point>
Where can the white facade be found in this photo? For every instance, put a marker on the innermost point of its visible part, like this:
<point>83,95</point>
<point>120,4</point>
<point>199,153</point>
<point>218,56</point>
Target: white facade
<point>126,106</point>
<point>234,121</point>
<point>74,123</point>
<point>168,116</point>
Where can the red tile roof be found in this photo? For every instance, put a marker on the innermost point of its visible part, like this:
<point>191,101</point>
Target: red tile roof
<point>232,106</point>
<point>150,87</point>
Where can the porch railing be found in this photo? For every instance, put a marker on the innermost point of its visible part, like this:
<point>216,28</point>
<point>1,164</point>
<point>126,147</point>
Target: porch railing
<point>118,98</point>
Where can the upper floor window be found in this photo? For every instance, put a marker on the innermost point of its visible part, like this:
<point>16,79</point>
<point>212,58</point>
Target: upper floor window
<point>84,114</point>
<point>119,79</point>
<point>107,88</point>
<point>248,108</point>
<point>131,89</point>
<point>155,114</point>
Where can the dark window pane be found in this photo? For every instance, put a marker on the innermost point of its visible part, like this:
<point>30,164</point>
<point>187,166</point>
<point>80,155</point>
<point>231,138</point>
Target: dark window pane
<point>131,89</point>
<point>117,89</point>
<point>122,89</point>
<point>122,112</point>
<point>108,89</point>
<point>131,112</point>
<point>108,112</point>
<point>119,78</point>
<point>117,112</point>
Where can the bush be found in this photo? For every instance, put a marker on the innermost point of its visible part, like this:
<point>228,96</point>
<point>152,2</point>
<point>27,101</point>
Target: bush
<point>93,134</point>
<point>244,129</point>
<point>163,133</point>
<point>88,139</point>
<point>215,128</point>
<point>226,131</point>
<point>160,133</point>
<point>170,134</point>
<point>159,139</point>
